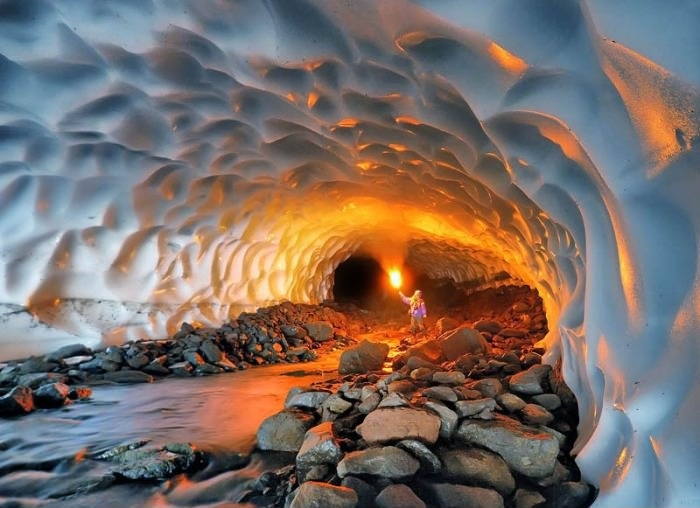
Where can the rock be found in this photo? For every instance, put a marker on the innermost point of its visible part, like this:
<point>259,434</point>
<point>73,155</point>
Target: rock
<point>527,450</point>
<point>472,408</point>
<point>128,377</point>
<point>549,401</point>
<point>398,495</point>
<point>323,495</point>
<point>365,357</point>
<point>284,431</point>
<point>138,361</point>
<point>536,415</point>
<point>474,466</point>
<point>510,402</point>
<point>293,331</point>
<point>370,403</point>
<point>445,324</point>
<point>365,491</point>
<point>492,327</point>
<point>429,351</point>
<point>37,379</point>
<point>210,351</point>
<point>462,340</point>
<point>19,401</point>
<point>182,369</point>
<point>568,495</point>
<point>157,367</point>
<point>527,382</point>
<point>394,424</point>
<point>137,463</point>
<point>512,332</point>
<point>488,387</point>
<point>430,463</point>
<point>528,499</point>
<point>319,447</point>
<point>67,352</point>
<point>449,378</point>
<point>79,392</point>
<point>320,331</point>
<point>335,404</point>
<point>306,398</point>
<point>51,395</point>
<point>448,418</point>
<point>444,393</point>
<point>35,364</point>
<point>448,495</point>
<point>386,462</point>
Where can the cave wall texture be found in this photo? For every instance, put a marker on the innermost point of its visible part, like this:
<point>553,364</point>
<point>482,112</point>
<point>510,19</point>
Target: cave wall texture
<point>170,160</point>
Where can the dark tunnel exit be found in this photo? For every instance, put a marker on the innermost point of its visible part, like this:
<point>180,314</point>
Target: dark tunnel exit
<point>359,279</point>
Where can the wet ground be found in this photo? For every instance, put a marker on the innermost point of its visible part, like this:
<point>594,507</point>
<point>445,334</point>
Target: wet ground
<point>220,414</point>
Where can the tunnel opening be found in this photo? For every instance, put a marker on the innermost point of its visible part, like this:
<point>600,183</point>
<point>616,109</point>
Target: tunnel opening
<point>360,280</point>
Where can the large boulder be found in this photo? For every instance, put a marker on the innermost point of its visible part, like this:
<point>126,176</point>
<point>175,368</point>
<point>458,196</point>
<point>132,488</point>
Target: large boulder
<point>323,495</point>
<point>19,401</point>
<point>365,357</point>
<point>462,340</point>
<point>527,450</point>
<point>284,431</point>
<point>397,423</point>
<point>320,331</point>
<point>384,462</point>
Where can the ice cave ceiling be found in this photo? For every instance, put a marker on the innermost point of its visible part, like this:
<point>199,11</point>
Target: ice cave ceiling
<point>175,160</point>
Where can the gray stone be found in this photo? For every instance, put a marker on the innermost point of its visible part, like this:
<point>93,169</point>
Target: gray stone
<point>449,378</point>
<point>300,397</point>
<point>527,450</point>
<point>448,418</point>
<point>524,498</point>
<point>365,491</point>
<point>51,395</point>
<point>445,324</point>
<point>492,327</point>
<point>193,357</point>
<point>320,331</point>
<point>526,382</point>
<point>152,463</point>
<point>128,377</point>
<point>510,402</point>
<point>336,404</point>
<point>549,401</point>
<point>323,495</point>
<point>448,495</point>
<point>394,424</point>
<point>365,357</point>
<point>475,466</point>
<point>534,414</point>
<point>398,495</point>
<point>462,340</point>
<point>394,399</point>
<point>284,431</point>
<point>138,361</point>
<point>370,403</point>
<point>568,495</point>
<point>319,447</point>
<point>210,351</point>
<point>36,364</point>
<point>385,462</point>
<point>19,401</point>
<point>469,408</point>
<point>444,393</point>
<point>67,352</point>
<point>488,387</point>
<point>430,463</point>
<point>38,379</point>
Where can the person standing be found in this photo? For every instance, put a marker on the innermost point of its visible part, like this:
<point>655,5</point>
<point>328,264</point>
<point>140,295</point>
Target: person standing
<point>416,309</point>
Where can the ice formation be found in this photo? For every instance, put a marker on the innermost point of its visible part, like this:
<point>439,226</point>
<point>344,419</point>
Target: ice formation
<point>179,160</point>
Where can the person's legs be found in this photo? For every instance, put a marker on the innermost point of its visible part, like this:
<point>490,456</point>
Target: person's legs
<point>414,325</point>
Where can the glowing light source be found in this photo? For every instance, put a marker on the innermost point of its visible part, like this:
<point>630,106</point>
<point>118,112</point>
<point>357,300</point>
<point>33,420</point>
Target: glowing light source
<point>395,277</point>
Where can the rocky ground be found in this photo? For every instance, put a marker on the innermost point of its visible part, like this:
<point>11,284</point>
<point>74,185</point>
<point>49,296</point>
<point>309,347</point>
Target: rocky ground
<point>465,415</point>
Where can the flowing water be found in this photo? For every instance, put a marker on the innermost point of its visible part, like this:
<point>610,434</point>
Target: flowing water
<point>219,414</point>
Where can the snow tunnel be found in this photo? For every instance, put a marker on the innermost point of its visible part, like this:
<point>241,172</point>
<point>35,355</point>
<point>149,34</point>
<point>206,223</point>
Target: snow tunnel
<point>187,160</point>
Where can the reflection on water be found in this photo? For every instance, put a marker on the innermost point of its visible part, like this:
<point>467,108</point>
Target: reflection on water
<point>219,414</point>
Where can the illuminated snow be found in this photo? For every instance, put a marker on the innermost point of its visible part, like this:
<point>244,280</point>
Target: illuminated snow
<point>185,160</point>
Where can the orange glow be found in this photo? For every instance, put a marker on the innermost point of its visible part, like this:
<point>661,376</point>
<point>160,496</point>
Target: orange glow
<point>347,122</point>
<point>506,59</point>
<point>395,277</point>
<point>311,100</point>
